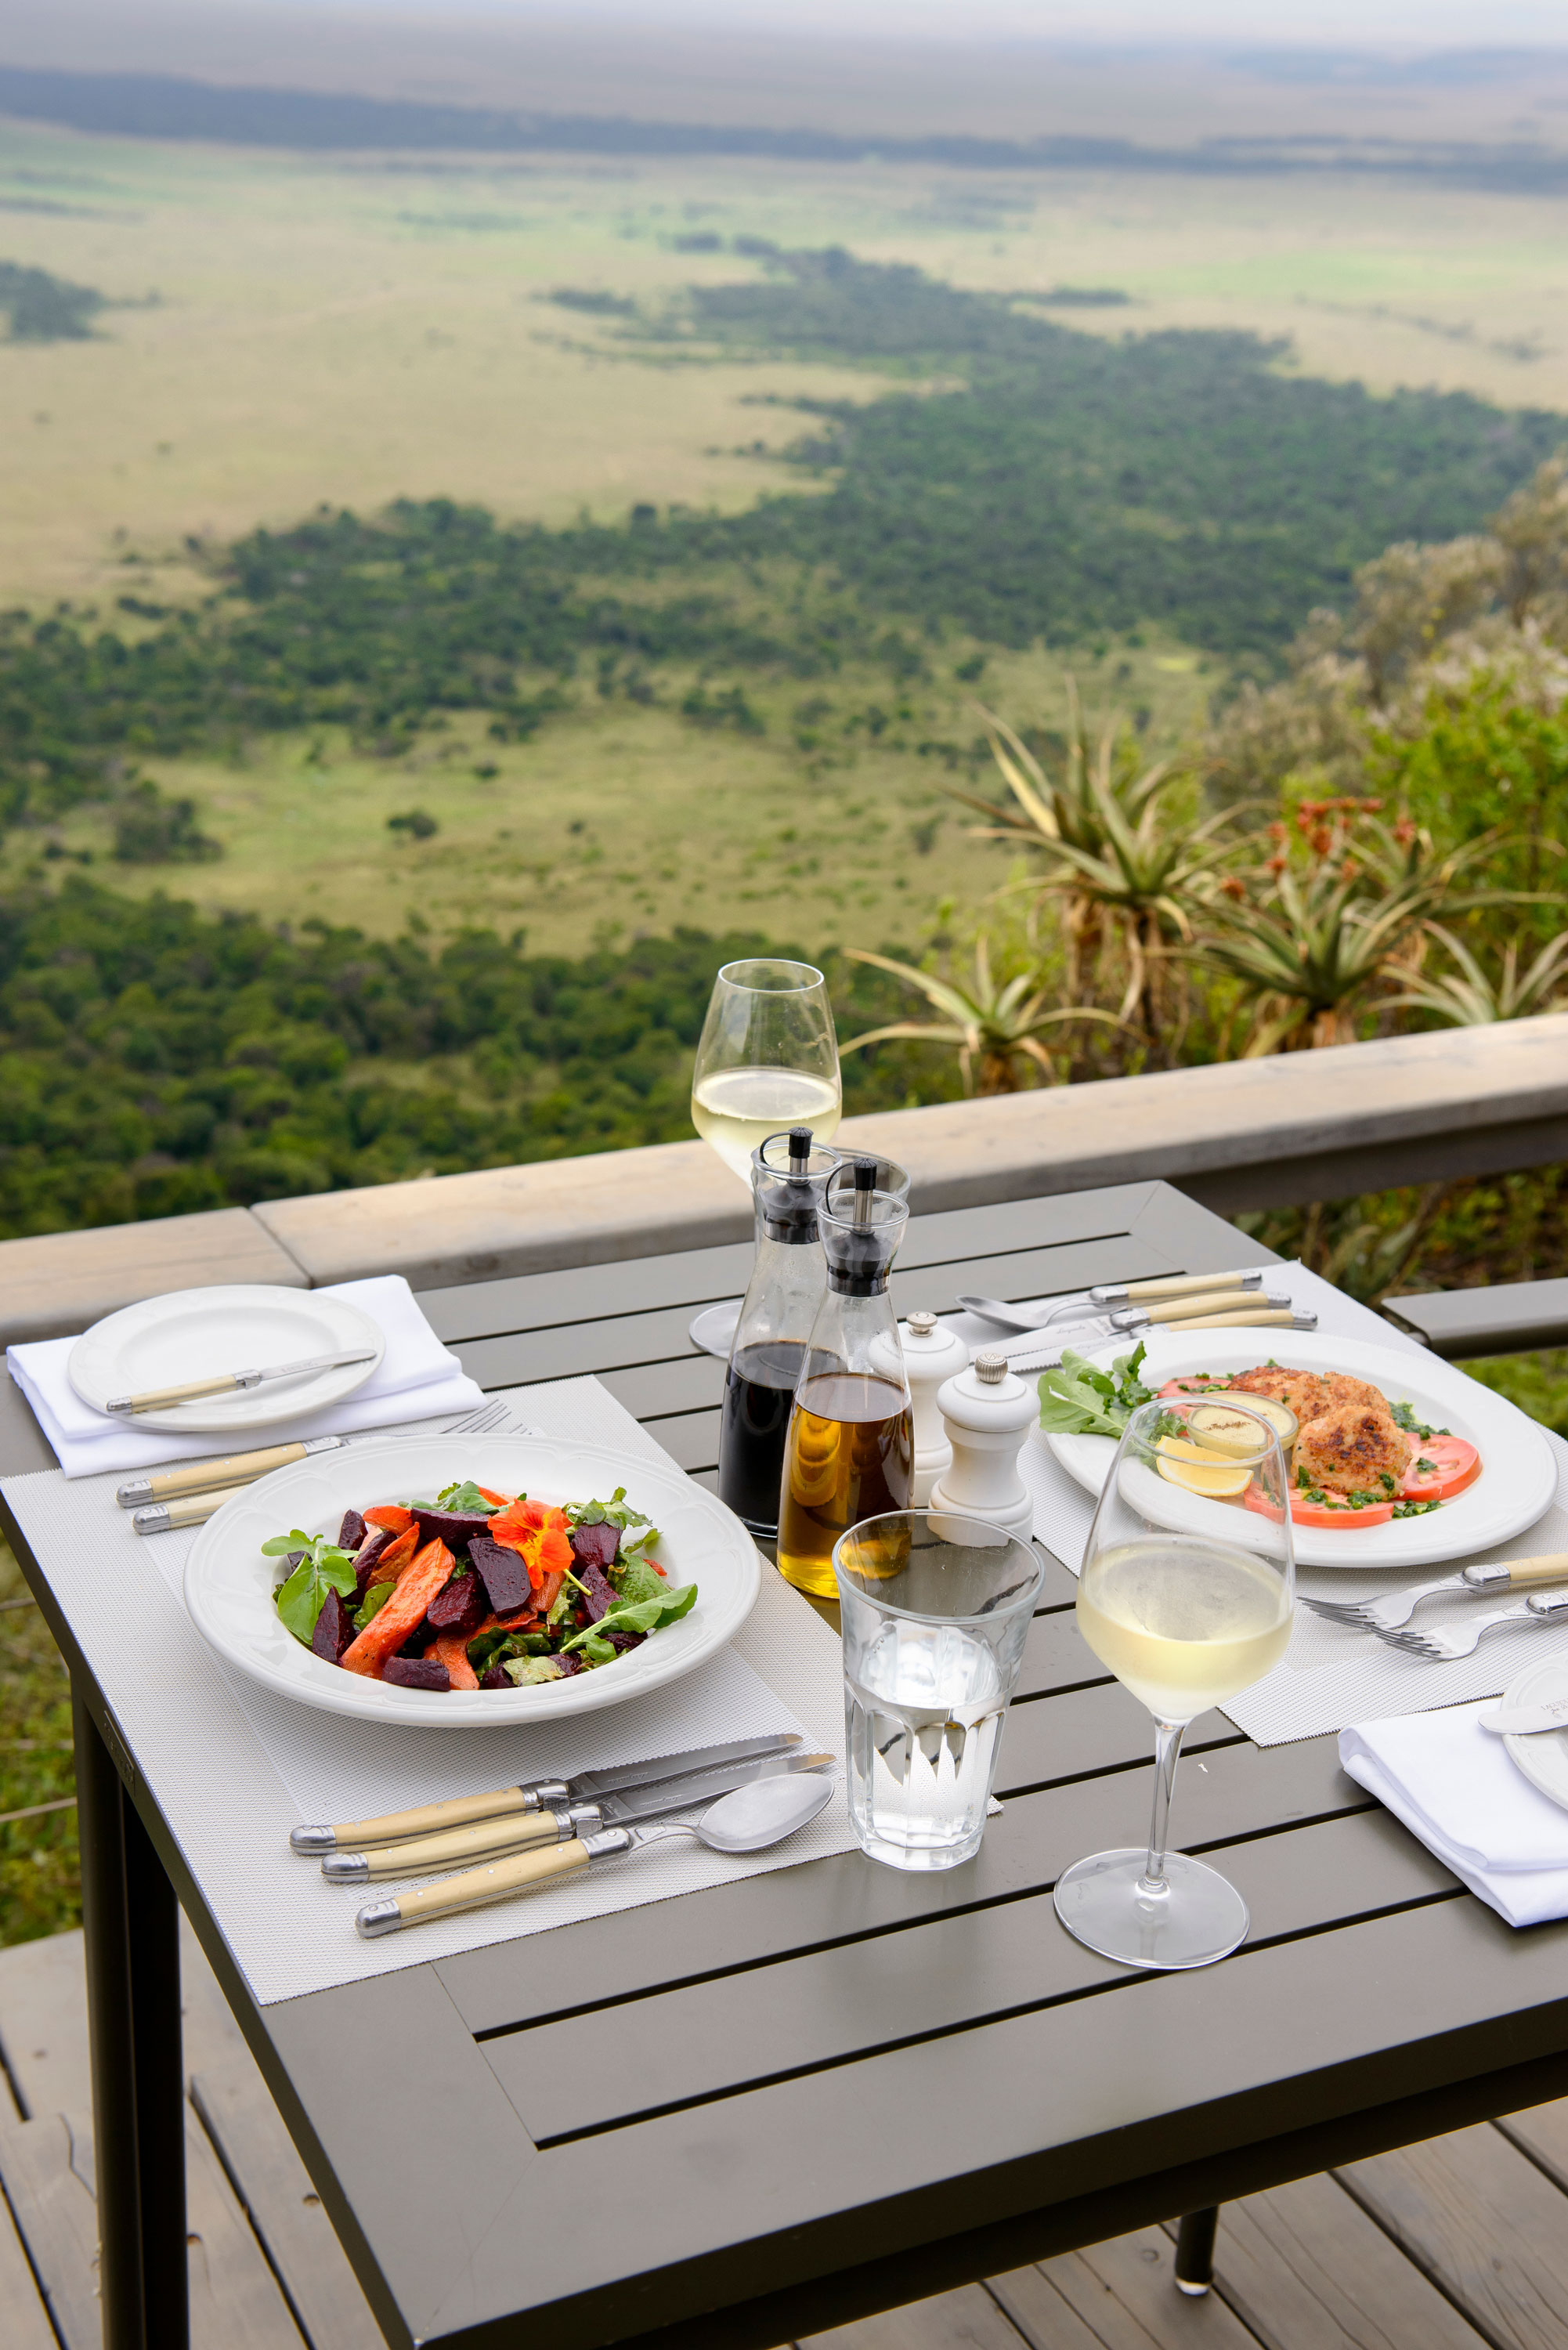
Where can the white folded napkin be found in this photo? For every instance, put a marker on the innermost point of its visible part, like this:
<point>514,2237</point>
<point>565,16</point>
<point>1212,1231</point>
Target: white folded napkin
<point>1457,1787</point>
<point>416,1378</point>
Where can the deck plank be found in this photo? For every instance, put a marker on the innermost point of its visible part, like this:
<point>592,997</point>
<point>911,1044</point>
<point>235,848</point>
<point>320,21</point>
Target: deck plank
<point>25,2318</point>
<point>1478,2217</point>
<point>1122,2293</point>
<point>46,2166</point>
<point>1305,2268</point>
<point>1541,2133</point>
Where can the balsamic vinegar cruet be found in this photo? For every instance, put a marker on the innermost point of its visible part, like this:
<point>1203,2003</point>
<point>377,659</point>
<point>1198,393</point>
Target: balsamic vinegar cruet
<point>789,1176</point>
<point>850,1450</point>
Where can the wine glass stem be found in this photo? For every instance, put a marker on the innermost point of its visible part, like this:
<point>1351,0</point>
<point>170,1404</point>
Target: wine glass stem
<point>1166,1748</point>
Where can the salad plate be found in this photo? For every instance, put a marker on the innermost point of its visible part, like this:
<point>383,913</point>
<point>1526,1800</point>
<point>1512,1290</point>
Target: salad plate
<point>230,1582</point>
<point>1543,1758</point>
<point>1517,1480</point>
<point>197,1333</point>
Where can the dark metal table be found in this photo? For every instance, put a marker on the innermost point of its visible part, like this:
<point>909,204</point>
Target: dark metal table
<point>756,2112</point>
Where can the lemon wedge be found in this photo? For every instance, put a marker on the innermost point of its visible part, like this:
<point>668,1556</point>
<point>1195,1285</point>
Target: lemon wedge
<point>1200,1470</point>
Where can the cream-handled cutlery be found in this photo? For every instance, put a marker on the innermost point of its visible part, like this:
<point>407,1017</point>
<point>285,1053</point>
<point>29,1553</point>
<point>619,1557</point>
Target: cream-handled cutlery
<point>537,1796</point>
<point>1387,1613</point>
<point>1443,1643</point>
<point>207,1476</point>
<point>491,1839</point>
<point>1200,1312</point>
<point>1173,1288</point>
<point>746,1820</point>
<point>233,1382</point>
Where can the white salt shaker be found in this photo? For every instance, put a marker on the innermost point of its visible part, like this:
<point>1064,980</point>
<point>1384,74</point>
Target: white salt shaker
<point>988,1413</point>
<point>931,1355</point>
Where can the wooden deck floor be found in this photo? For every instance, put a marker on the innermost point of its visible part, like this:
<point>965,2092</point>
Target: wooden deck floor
<point>1446,2245</point>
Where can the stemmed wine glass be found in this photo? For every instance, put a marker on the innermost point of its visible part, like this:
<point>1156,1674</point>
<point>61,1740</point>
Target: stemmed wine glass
<point>767,1060</point>
<point>1186,1593</point>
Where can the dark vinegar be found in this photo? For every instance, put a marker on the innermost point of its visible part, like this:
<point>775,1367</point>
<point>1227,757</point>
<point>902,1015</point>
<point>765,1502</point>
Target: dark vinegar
<point>759,1388</point>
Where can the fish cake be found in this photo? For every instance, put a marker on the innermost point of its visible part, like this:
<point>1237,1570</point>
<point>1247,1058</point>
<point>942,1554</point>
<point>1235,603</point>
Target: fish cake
<point>1351,1450</point>
<point>1303,1392</point>
<point>1342,1388</point>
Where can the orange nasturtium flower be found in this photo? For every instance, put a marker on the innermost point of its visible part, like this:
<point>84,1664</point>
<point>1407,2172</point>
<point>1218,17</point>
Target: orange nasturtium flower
<point>539,1532</point>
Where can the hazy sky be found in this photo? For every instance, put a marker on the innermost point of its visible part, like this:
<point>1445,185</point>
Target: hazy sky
<point>1403,25</point>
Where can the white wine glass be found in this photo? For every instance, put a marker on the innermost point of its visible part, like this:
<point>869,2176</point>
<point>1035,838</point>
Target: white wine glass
<point>768,1059</point>
<point>1187,1592</point>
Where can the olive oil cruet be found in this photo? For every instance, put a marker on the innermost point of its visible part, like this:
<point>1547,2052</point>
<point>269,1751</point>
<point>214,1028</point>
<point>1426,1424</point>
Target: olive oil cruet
<point>850,1450</point>
<point>788,1178</point>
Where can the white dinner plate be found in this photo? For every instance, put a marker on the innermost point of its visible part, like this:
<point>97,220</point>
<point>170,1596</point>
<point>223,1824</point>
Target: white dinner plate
<point>195,1334</point>
<point>1543,1757</point>
<point>1519,1471</point>
<point>229,1585</point>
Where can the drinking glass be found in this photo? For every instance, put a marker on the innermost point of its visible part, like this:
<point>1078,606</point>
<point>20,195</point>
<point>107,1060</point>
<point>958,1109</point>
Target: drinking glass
<point>768,1059</point>
<point>935,1610</point>
<point>1186,1593</point>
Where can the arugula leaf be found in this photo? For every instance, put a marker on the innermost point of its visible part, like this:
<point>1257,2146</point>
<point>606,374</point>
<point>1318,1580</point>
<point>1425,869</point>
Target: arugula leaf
<point>666,1607</point>
<point>325,1567</point>
<point>635,1579</point>
<point>466,1498</point>
<point>1080,1400</point>
<point>374,1601</point>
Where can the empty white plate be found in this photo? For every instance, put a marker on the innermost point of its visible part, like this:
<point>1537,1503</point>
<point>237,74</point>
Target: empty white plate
<point>195,1334</point>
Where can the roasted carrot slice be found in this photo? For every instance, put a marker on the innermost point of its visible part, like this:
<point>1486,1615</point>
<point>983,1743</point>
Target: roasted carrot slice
<point>389,1563</point>
<point>527,1619</point>
<point>403,1614</point>
<point>391,1514</point>
<point>502,1501</point>
<point>452,1650</point>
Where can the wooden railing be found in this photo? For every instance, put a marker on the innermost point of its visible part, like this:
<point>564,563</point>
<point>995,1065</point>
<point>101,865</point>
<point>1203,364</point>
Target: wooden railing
<point>1241,1134</point>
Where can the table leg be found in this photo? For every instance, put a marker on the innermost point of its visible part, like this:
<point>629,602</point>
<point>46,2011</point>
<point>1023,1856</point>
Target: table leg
<point>1195,2250</point>
<point>130,1923</point>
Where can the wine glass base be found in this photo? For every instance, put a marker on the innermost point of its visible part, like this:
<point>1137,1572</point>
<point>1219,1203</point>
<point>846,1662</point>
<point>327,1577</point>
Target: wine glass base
<point>714,1328</point>
<point>1200,1918</point>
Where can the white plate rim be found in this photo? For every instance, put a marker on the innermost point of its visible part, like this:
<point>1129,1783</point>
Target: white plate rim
<point>1542,1759</point>
<point>262,1407</point>
<point>1408,1541</point>
<point>714,1622</point>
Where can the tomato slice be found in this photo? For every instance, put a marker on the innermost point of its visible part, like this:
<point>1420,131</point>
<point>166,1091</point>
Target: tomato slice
<point>1318,1513</point>
<point>1454,1465</point>
<point>1195,1387</point>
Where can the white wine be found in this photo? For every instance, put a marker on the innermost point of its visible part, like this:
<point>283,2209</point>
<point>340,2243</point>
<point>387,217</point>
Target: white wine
<point>736,1109</point>
<point>1182,1621</point>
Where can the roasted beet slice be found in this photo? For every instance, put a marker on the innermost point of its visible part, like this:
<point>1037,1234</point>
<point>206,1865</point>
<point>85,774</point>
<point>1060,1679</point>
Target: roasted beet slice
<point>596,1545</point>
<point>622,1641</point>
<point>334,1629</point>
<point>570,1665</point>
<point>365,1557</point>
<point>504,1574</point>
<point>453,1527</point>
<point>497,1677</point>
<point>459,1606</point>
<point>418,1641</point>
<point>352,1532</point>
<point>416,1672</point>
<point>599,1596</point>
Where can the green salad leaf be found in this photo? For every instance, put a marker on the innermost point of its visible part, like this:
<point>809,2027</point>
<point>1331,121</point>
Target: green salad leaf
<point>636,1532</point>
<point>1080,1400</point>
<point>374,1600</point>
<point>323,1567</point>
<point>636,1580</point>
<point>665,1607</point>
<point>466,1498</point>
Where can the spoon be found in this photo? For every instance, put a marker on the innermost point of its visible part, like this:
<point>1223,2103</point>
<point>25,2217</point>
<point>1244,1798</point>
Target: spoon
<point>749,1820</point>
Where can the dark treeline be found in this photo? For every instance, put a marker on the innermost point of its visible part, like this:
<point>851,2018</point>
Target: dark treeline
<point>1072,486</point>
<point>154,1061</point>
<point>42,308</point>
<point>166,106</point>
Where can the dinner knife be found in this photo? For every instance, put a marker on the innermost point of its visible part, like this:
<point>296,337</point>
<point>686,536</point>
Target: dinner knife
<point>231,1382</point>
<point>1272,1315</point>
<point>493,1839</point>
<point>538,1796</point>
<point>1527,1720</point>
<point>206,1476</point>
<point>1087,1307</point>
<point>1171,1284</point>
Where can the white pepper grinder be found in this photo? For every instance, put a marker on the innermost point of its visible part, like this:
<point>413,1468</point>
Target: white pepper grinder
<point>988,1413</point>
<point>931,1354</point>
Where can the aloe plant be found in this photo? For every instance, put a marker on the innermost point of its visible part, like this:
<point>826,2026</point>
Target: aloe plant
<point>1121,860</point>
<point>1308,947</point>
<point>1469,998</point>
<point>992,1023</point>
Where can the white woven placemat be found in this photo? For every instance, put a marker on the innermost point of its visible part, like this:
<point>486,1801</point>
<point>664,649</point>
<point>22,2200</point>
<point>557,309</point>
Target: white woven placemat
<point>1332,1675</point>
<point>234,1768</point>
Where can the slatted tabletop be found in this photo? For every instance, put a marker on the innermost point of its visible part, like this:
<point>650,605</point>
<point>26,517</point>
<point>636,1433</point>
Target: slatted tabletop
<point>742,2117</point>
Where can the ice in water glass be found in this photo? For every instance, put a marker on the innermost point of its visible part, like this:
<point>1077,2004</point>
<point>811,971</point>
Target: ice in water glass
<point>935,1609</point>
<point>1186,1593</point>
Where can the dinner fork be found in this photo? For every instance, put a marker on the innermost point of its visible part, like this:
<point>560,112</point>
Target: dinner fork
<point>490,1419</point>
<point>1442,1645</point>
<point>1392,1608</point>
